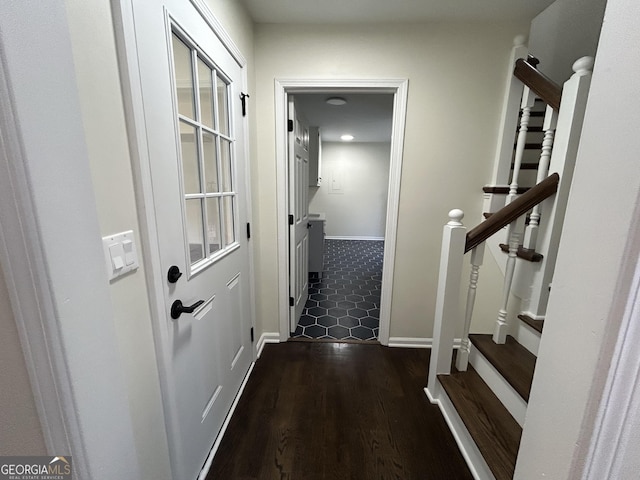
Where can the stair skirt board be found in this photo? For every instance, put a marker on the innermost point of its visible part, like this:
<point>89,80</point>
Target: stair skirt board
<point>527,336</point>
<point>511,399</point>
<point>468,448</point>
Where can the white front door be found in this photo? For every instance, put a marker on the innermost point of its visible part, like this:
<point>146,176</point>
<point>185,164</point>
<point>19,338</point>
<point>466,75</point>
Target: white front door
<point>191,89</point>
<point>298,213</point>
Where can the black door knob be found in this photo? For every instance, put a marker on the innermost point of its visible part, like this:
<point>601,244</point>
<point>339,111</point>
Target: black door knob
<point>177,308</point>
<point>174,274</point>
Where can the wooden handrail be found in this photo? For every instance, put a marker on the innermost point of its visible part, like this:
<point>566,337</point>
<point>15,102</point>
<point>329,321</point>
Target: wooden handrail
<point>511,212</point>
<point>549,91</point>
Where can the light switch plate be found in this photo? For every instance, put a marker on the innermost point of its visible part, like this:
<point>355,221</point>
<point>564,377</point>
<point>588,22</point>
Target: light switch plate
<point>120,254</point>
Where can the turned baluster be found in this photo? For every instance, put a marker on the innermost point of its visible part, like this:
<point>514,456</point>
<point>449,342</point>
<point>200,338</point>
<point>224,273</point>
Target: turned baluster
<point>462,358</point>
<point>549,127</point>
<point>514,233</point>
<point>528,99</point>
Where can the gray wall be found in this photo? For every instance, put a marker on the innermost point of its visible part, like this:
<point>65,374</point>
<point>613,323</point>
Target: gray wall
<point>564,32</point>
<point>353,194</point>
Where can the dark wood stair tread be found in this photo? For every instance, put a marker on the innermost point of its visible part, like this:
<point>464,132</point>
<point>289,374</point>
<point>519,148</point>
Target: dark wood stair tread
<point>503,189</point>
<point>527,166</point>
<point>491,426</point>
<point>535,324</point>
<point>530,146</point>
<point>514,362</point>
<point>524,253</point>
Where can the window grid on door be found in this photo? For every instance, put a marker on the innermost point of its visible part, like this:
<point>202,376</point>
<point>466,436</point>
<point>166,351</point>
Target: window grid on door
<point>206,154</point>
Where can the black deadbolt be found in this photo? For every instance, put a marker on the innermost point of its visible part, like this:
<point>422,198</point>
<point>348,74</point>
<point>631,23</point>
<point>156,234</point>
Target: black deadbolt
<point>174,274</point>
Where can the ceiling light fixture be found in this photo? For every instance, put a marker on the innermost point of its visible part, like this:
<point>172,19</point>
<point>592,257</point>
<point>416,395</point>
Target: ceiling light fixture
<point>346,138</point>
<point>336,101</point>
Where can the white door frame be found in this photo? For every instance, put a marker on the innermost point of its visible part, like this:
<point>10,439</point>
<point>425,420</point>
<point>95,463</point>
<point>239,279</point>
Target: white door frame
<point>284,87</point>
<point>136,129</point>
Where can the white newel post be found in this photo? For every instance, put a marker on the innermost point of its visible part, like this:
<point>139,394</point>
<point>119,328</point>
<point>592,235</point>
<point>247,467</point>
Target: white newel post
<point>570,117</point>
<point>514,234</point>
<point>549,127</point>
<point>447,301</point>
<point>462,358</point>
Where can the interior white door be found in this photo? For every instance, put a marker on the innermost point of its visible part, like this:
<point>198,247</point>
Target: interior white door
<point>191,89</point>
<point>298,213</point>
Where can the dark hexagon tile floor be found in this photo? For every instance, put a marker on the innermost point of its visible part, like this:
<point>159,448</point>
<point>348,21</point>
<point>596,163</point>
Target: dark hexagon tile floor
<point>345,303</point>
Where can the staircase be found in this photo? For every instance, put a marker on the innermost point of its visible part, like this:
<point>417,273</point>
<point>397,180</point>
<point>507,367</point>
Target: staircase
<point>483,388</point>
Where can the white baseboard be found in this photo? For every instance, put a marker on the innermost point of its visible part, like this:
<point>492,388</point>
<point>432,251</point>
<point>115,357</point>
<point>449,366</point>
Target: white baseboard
<point>416,342</point>
<point>327,237</point>
<point>266,337</point>
<point>214,449</point>
<point>475,461</point>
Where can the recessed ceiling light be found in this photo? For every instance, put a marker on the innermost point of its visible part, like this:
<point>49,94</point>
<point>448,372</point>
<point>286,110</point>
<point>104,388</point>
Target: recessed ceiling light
<point>346,138</point>
<point>336,101</point>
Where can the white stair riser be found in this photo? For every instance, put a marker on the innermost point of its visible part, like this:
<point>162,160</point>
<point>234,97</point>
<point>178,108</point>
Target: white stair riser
<point>526,336</point>
<point>511,399</point>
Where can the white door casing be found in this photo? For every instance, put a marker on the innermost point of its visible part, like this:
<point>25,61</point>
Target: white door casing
<point>283,89</point>
<point>298,158</point>
<point>192,174</point>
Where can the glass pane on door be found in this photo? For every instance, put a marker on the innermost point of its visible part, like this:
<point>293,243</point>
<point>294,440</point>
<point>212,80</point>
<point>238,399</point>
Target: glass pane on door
<point>229,230</point>
<point>195,237</point>
<point>183,77</point>
<point>205,84</point>
<point>190,161</point>
<point>210,158</point>
<point>225,165</point>
<point>213,225</point>
<point>223,111</point>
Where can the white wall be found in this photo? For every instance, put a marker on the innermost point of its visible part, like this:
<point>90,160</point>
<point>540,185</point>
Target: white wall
<point>353,193</point>
<point>457,74</point>
<point>21,433</point>
<point>598,251</point>
<point>564,32</point>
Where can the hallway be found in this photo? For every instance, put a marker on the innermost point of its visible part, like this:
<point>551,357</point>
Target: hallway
<point>317,410</point>
<point>344,304</point>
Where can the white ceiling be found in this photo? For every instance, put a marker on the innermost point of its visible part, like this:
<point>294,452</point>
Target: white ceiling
<point>391,11</point>
<point>368,117</point>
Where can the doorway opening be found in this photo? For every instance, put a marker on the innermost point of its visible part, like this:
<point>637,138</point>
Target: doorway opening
<point>358,231</point>
<point>349,157</point>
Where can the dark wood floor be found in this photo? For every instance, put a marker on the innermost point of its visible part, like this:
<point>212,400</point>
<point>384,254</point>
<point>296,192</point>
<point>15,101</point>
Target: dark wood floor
<point>338,411</point>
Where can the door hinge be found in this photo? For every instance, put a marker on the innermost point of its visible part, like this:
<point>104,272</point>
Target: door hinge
<point>290,125</point>
<point>290,219</point>
<point>292,301</point>
<point>251,334</point>
<point>248,230</point>
<point>243,99</point>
